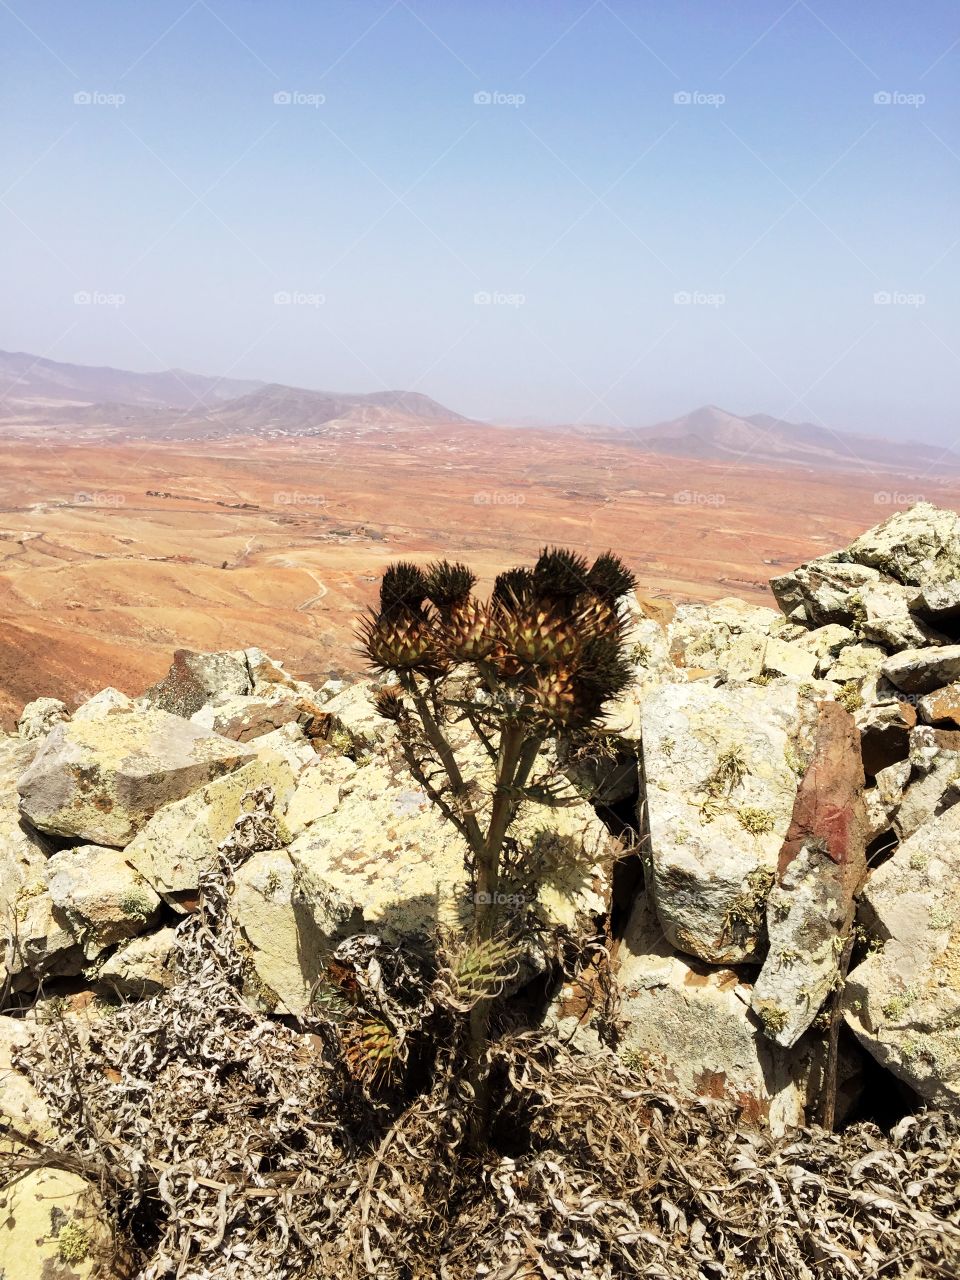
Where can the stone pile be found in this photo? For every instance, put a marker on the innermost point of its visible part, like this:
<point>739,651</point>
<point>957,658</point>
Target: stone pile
<point>795,773</point>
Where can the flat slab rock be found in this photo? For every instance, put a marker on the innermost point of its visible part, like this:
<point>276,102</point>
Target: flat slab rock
<point>102,780</point>
<point>903,1001</point>
<point>721,777</point>
<point>923,670</point>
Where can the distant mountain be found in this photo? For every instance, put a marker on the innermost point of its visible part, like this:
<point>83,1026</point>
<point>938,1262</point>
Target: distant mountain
<point>713,433</point>
<point>36,393</point>
<point>30,378</point>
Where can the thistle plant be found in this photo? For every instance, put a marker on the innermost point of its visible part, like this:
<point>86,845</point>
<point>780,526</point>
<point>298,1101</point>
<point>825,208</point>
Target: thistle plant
<point>537,661</point>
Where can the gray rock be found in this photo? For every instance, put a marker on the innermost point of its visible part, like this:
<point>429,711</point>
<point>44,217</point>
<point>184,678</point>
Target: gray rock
<point>40,716</point>
<point>107,702</point>
<point>140,969</point>
<point>789,658</point>
<point>857,662</point>
<point>55,1225</point>
<point>823,588</point>
<point>920,546</point>
<point>720,785</point>
<point>883,616</point>
<point>195,678</point>
<point>101,780</point>
<point>923,670</point>
<point>903,1001</point>
<point>939,602</point>
<point>24,1116</point>
<point>102,898</point>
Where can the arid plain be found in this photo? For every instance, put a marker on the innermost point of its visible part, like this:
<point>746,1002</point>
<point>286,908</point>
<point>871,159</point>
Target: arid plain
<point>113,554</point>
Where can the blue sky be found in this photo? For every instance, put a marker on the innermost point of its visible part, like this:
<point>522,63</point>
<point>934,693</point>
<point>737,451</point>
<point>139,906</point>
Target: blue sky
<point>647,207</point>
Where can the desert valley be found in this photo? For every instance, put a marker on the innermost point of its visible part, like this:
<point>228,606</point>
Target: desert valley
<point>140,513</point>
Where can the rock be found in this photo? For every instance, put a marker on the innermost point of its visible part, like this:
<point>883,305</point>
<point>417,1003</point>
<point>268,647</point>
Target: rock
<point>935,781</point>
<point>743,658</point>
<point>823,588</point>
<point>698,1023</point>
<point>243,717</point>
<point>40,716</point>
<point>102,898</point>
<point>720,786</point>
<point>389,854</point>
<point>884,734</point>
<point>923,670</point>
<point>318,792</point>
<point>105,703</point>
<point>139,969</point>
<point>100,781</point>
<point>826,642</point>
<point>289,743</point>
<point>290,932</point>
<point>942,706</point>
<point>903,1001</point>
<point>920,546</point>
<point>54,1226</point>
<point>939,602</point>
<point>883,616</point>
<point>786,658</point>
<point>359,727</point>
<point>23,1113</point>
<point>266,674</point>
<point>857,662</point>
<point>181,840</point>
<point>195,678</point>
<point>822,865</point>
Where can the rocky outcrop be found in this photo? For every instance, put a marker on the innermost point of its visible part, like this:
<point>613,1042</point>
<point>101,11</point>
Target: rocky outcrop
<point>39,717</point>
<point>102,780</point>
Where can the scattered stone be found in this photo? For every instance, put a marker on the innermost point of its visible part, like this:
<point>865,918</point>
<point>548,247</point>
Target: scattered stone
<point>857,662</point>
<point>935,780</point>
<point>100,781</point>
<point>40,716</point>
<point>182,839</point>
<point>903,1001</point>
<point>244,718</point>
<point>102,898</point>
<point>923,670</point>
<point>54,1226</point>
<point>822,865</point>
<point>721,778</point>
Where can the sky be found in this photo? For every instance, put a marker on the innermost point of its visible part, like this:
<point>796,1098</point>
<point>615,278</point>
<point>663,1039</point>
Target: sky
<point>534,210</point>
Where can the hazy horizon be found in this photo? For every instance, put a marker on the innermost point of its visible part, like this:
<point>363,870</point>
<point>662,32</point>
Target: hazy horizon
<point>590,212</point>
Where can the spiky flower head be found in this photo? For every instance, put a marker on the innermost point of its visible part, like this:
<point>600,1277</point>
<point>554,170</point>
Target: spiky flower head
<point>403,588</point>
<point>372,1050</point>
<point>609,578</point>
<point>399,640</point>
<point>560,574</point>
<point>468,634</point>
<point>449,585</point>
<point>554,696</point>
<point>537,635</point>
<point>388,702</point>
<point>481,970</point>
<point>512,587</point>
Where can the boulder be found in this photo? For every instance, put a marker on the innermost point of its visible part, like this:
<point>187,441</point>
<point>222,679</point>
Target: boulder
<point>40,716</point>
<point>318,792</point>
<point>24,1116</point>
<point>856,662</point>
<point>102,780</point>
<point>267,674</point>
<point>720,767</point>
<point>101,897</point>
<point>826,643</point>
<point>938,602</point>
<point>181,840</point>
<point>789,658</point>
<point>823,589</point>
<point>884,734</point>
<point>822,865</point>
<point>54,1226</point>
<point>903,1001</point>
<point>107,702</point>
<point>934,781</point>
<point>942,707</point>
<point>923,670</point>
<point>389,854</point>
<point>195,678</point>
<point>244,717</point>
<point>883,616</point>
<point>920,546</point>
<point>359,728</point>
<point>140,968</point>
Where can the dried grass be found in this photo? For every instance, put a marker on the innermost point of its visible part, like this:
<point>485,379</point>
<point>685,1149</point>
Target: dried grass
<point>235,1147</point>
